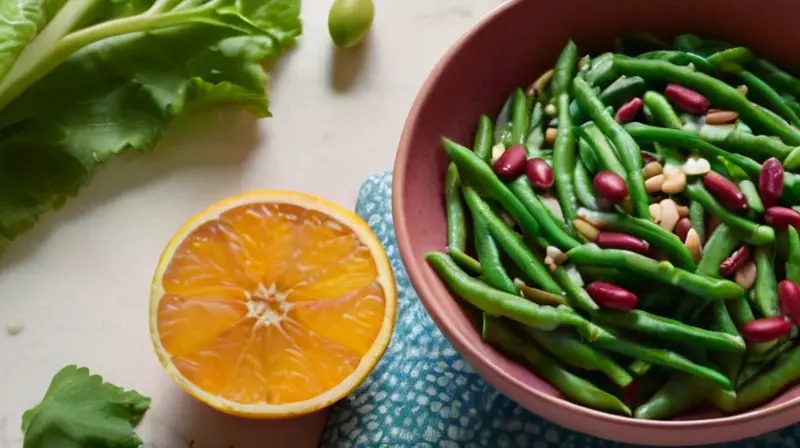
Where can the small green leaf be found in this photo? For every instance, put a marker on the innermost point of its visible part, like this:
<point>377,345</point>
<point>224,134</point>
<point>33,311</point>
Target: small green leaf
<point>80,410</point>
<point>735,173</point>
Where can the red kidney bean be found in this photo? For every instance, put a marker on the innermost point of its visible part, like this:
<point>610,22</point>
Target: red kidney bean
<point>789,299</point>
<point>647,158</point>
<point>608,295</point>
<point>682,228</point>
<point>610,186</point>
<point>738,258</point>
<point>687,99</point>
<point>766,329</point>
<point>623,241</point>
<point>629,111</point>
<point>726,192</point>
<point>770,182</point>
<point>512,163</point>
<point>539,173</point>
<point>782,217</point>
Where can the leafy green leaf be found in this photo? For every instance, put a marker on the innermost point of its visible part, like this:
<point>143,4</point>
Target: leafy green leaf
<point>122,93</point>
<point>20,22</point>
<point>735,173</point>
<point>80,410</point>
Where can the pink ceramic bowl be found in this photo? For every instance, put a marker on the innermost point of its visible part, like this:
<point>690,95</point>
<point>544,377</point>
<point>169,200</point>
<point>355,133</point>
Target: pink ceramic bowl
<point>509,48</point>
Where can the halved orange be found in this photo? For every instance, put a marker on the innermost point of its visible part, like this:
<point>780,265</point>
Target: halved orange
<point>272,304</point>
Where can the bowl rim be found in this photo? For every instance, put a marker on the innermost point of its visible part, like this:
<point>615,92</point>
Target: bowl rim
<point>420,279</point>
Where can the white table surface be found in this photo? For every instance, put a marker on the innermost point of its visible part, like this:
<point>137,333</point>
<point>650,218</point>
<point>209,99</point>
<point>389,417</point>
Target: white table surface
<point>79,281</point>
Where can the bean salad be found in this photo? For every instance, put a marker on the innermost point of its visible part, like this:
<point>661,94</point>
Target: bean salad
<point>628,227</point>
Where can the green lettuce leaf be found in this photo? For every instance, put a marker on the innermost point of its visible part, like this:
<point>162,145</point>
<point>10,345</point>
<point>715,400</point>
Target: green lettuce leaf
<point>20,22</point>
<point>80,410</point>
<point>122,93</point>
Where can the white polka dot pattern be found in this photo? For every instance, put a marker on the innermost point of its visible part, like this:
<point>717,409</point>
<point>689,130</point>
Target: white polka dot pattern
<point>423,394</point>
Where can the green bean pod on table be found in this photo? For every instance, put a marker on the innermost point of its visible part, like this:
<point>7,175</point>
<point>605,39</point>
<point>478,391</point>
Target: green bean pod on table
<point>654,223</point>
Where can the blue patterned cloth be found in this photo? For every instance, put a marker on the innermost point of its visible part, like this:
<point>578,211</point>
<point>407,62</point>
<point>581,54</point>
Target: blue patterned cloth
<point>423,394</point>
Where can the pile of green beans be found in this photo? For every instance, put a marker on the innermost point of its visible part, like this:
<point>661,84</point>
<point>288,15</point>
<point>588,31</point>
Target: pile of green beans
<point>640,251</point>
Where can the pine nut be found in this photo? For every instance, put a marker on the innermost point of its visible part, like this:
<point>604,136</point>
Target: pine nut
<point>550,135</point>
<point>669,214</point>
<point>654,184</point>
<point>746,275</point>
<point>655,213</point>
<point>652,169</point>
<point>589,231</point>
<point>693,244</point>
<point>721,117</point>
<point>675,180</point>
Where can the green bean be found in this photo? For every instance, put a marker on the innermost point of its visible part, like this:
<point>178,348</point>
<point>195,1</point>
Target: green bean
<point>754,367</point>
<point>564,161</point>
<point>627,149</point>
<point>606,154</point>
<point>456,219</point>
<point>770,96</point>
<point>622,90</point>
<point>751,232</point>
<point>767,385</point>
<point>602,71</point>
<point>766,286</point>
<point>704,287</point>
<point>537,295</point>
<point>667,242</point>
<point>564,148</point>
<point>610,275</point>
<point>587,156</point>
<point>572,386</point>
<point>679,58</point>
<point>715,90</point>
<point>502,126</point>
<point>569,349</point>
<point>793,256</point>
<point>754,204</point>
<point>698,218</point>
<point>480,176</point>
<point>740,311</point>
<point>720,245</point>
<point>682,139</point>
<point>671,330</point>
<point>639,368</point>
<point>466,262</point>
<point>535,138</point>
<point>584,190</point>
<point>776,77</point>
<point>576,295</point>
<point>734,139</point>
<point>662,109</point>
<point>735,55</point>
<point>527,261</point>
<point>564,71</point>
<point>552,228</point>
<point>493,302</point>
<point>519,118</point>
<point>499,304</point>
<point>679,394</point>
<point>492,270</point>
<point>483,139</point>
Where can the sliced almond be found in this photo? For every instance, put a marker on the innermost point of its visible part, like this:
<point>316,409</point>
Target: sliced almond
<point>746,275</point>
<point>655,213</point>
<point>654,184</point>
<point>497,151</point>
<point>652,169</point>
<point>674,180</point>
<point>696,166</point>
<point>669,214</point>
<point>588,231</point>
<point>721,117</point>
<point>694,245</point>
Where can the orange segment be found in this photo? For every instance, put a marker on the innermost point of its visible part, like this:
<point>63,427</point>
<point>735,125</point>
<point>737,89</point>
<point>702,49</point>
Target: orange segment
<point>272,304</point>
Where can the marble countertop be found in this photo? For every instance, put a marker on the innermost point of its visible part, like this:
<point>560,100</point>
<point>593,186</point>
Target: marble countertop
<point>79,281</point>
